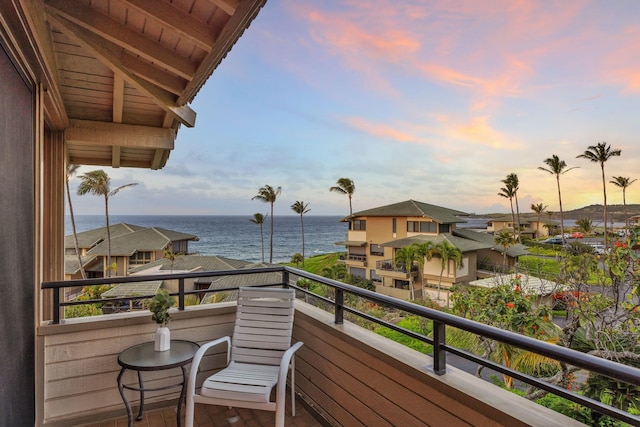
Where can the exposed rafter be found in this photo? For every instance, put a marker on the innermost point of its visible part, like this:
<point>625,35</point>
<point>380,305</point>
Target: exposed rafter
<point>229,6</point>
<point>180,22</point>
<point>110,55</point>
<point>108,29</point>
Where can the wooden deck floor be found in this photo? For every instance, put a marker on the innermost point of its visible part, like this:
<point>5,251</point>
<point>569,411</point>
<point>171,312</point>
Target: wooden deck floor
<point>217,416</point>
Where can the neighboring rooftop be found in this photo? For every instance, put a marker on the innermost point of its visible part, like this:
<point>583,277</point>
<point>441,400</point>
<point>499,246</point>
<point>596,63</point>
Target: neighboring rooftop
<point>412,208</point>
<point>488,239</point>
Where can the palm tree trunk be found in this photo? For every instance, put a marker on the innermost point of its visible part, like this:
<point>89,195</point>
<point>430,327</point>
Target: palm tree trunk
<point>561,212</point>
<point>518,218</point>
<point>75,234</point>
<point>513,218</point>
<point>271,234</point>
<point>106,214</point>
<point>604,190</point>
<point>262,240</point>
<point>624,203</point>
<point>302,225</point>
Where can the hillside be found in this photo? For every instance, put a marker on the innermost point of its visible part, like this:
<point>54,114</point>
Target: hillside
<point>594,212</point>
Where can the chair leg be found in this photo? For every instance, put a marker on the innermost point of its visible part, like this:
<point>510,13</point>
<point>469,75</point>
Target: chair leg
<point>293,386</point>
<point>189,411</point>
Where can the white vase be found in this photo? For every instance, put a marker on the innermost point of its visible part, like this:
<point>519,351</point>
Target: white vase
<point>162,339</point>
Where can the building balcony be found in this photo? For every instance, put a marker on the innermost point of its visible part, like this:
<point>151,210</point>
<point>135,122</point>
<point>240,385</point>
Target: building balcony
<point>387,268</point>
<point>354,260</point>
<point>346,374</point>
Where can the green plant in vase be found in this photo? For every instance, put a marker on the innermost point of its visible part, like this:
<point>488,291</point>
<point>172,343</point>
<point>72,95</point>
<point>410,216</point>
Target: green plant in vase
<point>159,306</point>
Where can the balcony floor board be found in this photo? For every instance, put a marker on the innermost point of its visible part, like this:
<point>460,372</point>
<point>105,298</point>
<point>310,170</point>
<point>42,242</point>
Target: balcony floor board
<point>218,416</point>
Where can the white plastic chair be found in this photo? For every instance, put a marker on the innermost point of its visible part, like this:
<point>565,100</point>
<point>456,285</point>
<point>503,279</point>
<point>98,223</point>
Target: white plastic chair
<point>259,356</point>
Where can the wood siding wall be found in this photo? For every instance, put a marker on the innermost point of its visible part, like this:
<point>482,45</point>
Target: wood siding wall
<point>81,368</point>
<point>358,378</point>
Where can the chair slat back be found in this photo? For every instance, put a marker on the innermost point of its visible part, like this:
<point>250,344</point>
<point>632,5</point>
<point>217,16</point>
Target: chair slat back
<point>264,322</point>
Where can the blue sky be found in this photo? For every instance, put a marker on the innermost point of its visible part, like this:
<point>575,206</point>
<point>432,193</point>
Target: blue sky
<point>435,101</point>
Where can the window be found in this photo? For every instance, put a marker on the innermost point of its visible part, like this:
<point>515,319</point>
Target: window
<point>445,228</point>
<point>422,227</point>
<point>140,258</point>
<point>376,249</point>
<point>359,224</point>
<point>428,227</point>
<point>401,284</point>
<point>393,225</point>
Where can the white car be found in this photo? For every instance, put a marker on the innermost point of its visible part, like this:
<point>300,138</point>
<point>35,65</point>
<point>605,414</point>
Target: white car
<point>599,249</point>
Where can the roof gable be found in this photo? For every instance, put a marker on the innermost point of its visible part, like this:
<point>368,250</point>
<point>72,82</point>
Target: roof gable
<point>413,208</point>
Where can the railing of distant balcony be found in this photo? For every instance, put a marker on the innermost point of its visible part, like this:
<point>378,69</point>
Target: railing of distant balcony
<point>440,320</point>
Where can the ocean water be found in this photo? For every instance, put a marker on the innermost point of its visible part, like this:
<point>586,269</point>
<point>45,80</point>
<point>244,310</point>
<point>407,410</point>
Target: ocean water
<point>237,237</point>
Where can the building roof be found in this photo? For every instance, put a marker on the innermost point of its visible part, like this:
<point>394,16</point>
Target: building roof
<point>128,239</point>
<point>71,265</point>
<point>488,239</point>
<point>90,238</point>
<point>189,263</point>
<point>133,289</point>
<point>465,245</point>
<point>412,208</point>
<point>119,75</point>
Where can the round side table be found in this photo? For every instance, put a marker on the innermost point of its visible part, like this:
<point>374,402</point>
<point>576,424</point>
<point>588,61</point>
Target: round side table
<point>143,357</point>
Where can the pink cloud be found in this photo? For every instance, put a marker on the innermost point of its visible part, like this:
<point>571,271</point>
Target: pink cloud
<point>380,130</point>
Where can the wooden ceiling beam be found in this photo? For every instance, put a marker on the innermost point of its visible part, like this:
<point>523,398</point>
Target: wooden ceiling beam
<point>92,20</point>
<point>182,23</point>
<point>229,6</point>
<point>109,54</point>
<point>118,98</point>
<point>115,156</point>
<point>166,81</point>
<point>54,104</point>
<point>88,132</point>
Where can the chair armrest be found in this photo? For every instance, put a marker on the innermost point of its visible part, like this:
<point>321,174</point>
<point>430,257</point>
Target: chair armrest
<point>197,358</point>
<point>286,360</point>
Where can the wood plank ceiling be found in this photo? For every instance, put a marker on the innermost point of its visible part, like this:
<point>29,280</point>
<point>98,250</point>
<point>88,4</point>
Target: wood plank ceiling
<point>122,72</point>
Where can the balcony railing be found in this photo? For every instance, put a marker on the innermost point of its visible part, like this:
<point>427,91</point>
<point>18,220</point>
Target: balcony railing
<point>290,276</point>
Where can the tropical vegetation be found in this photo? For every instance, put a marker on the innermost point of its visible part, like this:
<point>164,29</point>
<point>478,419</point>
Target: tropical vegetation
<point>601,153</point>
<point>268,194</point>
<point>98,183</point>
<point>345,186</point>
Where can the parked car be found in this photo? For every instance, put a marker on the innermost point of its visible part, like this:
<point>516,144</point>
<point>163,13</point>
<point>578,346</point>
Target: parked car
<point>598,248</point>
<point>577,235</point>
<point>553,241</point>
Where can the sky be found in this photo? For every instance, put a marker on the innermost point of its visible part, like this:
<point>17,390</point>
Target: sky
<point>436,101</point>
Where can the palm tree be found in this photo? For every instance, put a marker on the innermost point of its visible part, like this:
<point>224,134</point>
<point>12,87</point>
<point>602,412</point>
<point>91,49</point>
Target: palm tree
<point>268,194</point>
<point>505,239</point>
<point>71,171</point>
<point>585,224</point>
<point>345,186</point>
<point>623,182</point>
<point>406,256</point>
<point>538,209</point>
<point>513,181</point>
<point>508,192</point>
<point>301,208</point>
<point>98,183</point>
<point>259,218</point>
<point>424,253</point>
<point>557,167</point>
<point>171,256</point>
<point>446,252</point>
<point>600,153</point>
<point>297,258</point>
